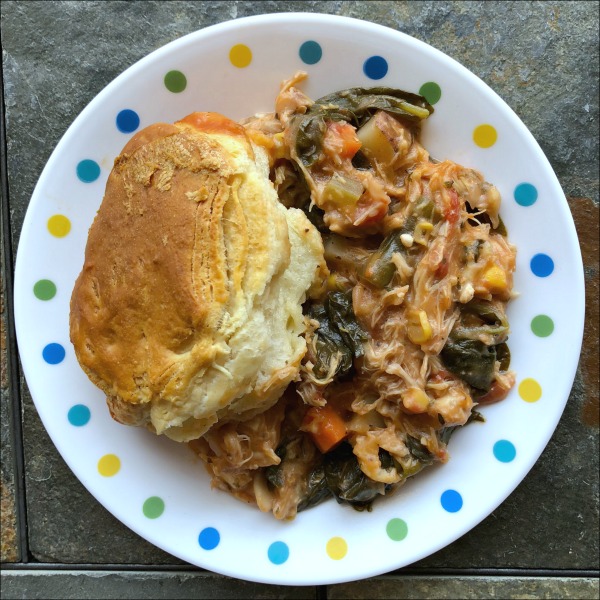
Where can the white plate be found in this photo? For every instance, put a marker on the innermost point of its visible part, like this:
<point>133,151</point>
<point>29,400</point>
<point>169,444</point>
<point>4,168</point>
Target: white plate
<point>157,487</point>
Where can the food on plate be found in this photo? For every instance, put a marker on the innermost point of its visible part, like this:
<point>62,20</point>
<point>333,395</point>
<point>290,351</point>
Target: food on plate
<point>307,298</point>
<point>409,332</point>
<point>188,309</point>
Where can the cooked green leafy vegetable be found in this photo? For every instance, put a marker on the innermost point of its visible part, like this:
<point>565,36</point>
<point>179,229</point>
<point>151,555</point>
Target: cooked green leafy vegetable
<point>330,345</point>
<point>347,482</point>
<point>355,106</point>
<point>380,269</point>
<point>482,320</point>
<point>339,336</point>
<point>339,309</point>
<point>418,451</point>
<point>316,490</point>
<point>471,360</point>
<point>273,473</point>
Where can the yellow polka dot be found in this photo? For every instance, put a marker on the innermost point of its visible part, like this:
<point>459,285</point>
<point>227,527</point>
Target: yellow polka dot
<point>240,56</point>
<point>59,225</point>
<point>109,465</point>
<point>485,135</point>
<point>337,548</point>
<point>530,390</point>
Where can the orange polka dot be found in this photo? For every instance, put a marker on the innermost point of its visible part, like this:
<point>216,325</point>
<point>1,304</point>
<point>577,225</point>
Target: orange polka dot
<point>109,465</point>
<point>337,548</point>
<point>530,390</point>
<point>240,56</point>
<point>59,225</point>
<point>485,135</point>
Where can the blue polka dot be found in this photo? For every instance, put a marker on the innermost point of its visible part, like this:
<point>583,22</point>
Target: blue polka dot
<point>375,67</point>
<point>88,170</point>
<point>504,451</point>
<point>278,553</point>
<point>310,52</point>
<point>79,415</point>
<point>541,265</point>
<point>525,194</point>
<point>451,501</point>
<point>209,538</point>
<point>127,121</point>
<point>53,354</point>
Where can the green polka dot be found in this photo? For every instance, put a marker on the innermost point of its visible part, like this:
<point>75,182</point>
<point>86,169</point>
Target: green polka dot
<point>397,529</point>
<point>175,81</point>
<point>431,91</point>
<point>542,325</point>
<point>44,289</point>
<point>153,507</point>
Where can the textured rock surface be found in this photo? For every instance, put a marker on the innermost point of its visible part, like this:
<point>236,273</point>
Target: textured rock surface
<point>541,58</point>
<point>136,584</point>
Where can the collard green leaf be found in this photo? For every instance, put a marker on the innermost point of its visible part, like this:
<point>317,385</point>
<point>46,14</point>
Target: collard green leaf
<point>340,312</point>
<point>380,269</point>
<point>316,490</point>
<point>330,345</point>
<point>346,480</point>
<point>355,106</point>
<point>418,451</point>
<point>338,334</point>
<point>310,131</point>
<point>273,473</point>
<point>471,360</point>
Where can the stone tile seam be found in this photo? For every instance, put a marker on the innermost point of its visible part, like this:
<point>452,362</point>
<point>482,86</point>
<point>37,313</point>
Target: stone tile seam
<point>13,370</point>
<point>178,569</point>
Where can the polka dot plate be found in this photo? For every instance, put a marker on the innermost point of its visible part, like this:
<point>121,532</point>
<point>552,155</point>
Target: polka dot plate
<point>156,486</point>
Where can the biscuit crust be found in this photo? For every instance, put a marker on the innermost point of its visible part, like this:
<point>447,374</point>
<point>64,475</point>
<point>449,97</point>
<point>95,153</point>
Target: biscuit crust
<point>188,306</point>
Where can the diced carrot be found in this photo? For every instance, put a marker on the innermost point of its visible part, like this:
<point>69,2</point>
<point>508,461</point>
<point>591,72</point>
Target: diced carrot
<point>345,138</point>
<point>325,426</point>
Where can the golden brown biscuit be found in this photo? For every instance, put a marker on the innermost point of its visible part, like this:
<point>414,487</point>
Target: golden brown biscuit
<point>188,306</point>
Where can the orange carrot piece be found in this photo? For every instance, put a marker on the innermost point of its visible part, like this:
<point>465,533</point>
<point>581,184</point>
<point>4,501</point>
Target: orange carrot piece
<point>325,426</point>
<point>347,139</point>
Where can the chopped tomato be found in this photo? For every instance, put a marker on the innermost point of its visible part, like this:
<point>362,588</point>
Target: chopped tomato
<point>452,212</point>
<point>369,211</point>
<point>342,137</point>
<point>442,269</point>
<point>325,426</point>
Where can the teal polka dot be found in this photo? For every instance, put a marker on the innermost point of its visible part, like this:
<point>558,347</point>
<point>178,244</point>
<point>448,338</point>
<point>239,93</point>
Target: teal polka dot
<point>88,170</point>
<point>375,67</point>
<point>504,451</point>
<point>79,415</point>
<point>310,52</point>
<point>53,354</point>
<point>278,553</point>
<point>209,538</point>
<point>451,501</point>
<point>525,194</point>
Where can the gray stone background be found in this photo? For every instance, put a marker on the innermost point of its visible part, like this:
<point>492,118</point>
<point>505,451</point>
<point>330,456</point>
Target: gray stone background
<point>542,542</point>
